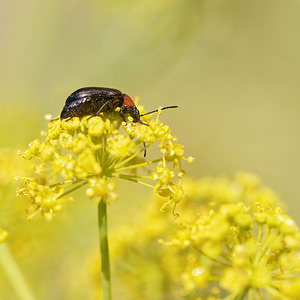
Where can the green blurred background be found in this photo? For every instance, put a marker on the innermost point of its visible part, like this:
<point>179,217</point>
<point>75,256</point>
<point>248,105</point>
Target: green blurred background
<point>232,67</point>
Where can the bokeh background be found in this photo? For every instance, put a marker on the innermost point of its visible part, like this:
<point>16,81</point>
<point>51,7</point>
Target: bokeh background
<point>232,67</point>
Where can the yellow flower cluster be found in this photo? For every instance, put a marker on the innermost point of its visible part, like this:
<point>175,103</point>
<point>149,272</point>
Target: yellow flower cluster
<point>231,242</point>
<point>92,151</point>
<point>243,244</point>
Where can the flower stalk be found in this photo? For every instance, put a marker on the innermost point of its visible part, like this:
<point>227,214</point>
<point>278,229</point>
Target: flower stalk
<point>14,273</point>
<point>104,251</point>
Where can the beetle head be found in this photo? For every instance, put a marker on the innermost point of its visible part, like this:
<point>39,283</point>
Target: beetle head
<point>133,112</point>
<point>129,107</point>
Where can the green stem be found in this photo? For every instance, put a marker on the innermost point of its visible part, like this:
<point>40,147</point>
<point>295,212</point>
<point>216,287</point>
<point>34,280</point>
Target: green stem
<point>273,291</point>
<point>104,253</point>
<point>14,273</point>
<point>259,294</point>
<point>66,183</point>
<point>243,294</point>
<point>251,294</point>
<point>72,190</point>
<point>265,247</point>
<point>136,176</point>
<point>213,259</point>
<point>132,156</point>
<point>138,165</point>
<point>123,176</point>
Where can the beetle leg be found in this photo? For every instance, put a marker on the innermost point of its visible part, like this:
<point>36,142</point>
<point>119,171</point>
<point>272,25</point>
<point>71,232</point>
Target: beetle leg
<point>54,119</point>
<point>100,110</point>
<point>67,119</point>
<point>80,107</point>
<point>145,149</point>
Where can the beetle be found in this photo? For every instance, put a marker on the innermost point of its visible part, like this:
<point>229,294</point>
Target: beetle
<point>95,100</point>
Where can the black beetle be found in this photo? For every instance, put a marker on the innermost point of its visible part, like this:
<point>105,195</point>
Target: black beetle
<point>95,100</point>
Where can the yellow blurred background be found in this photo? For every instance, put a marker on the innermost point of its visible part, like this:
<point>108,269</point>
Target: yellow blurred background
<point>231,66</point>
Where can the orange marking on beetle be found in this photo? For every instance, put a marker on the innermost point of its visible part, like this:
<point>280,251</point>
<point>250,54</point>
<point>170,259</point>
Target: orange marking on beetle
<point>128,101</point>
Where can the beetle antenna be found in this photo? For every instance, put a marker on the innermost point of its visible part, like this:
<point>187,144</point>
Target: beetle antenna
<point>54,119</point>
<point>143,123</point>
<point>163,108</point>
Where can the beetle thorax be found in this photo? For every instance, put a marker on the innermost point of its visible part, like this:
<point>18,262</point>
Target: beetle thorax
<point>129,107</point>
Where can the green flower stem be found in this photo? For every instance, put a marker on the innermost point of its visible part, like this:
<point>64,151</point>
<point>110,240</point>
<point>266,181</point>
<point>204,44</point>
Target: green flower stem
<point>231,297</point>
<point>136,176</point>
<point>138,165</point>
<point>122,176</point>
<point>213,259</point>
<point>103,157</point>
<point>243,294</point>
<point>133,156</point>
<point>260,232</point>
<point>259,294</point>
<point>262,249</point>
<point>225,257</point>
<point>66,183</point>
<point>14,273</point>
<point>276,293</point>
<point>251,294</point>
<point>72,190</point>
<point>104,253</point>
